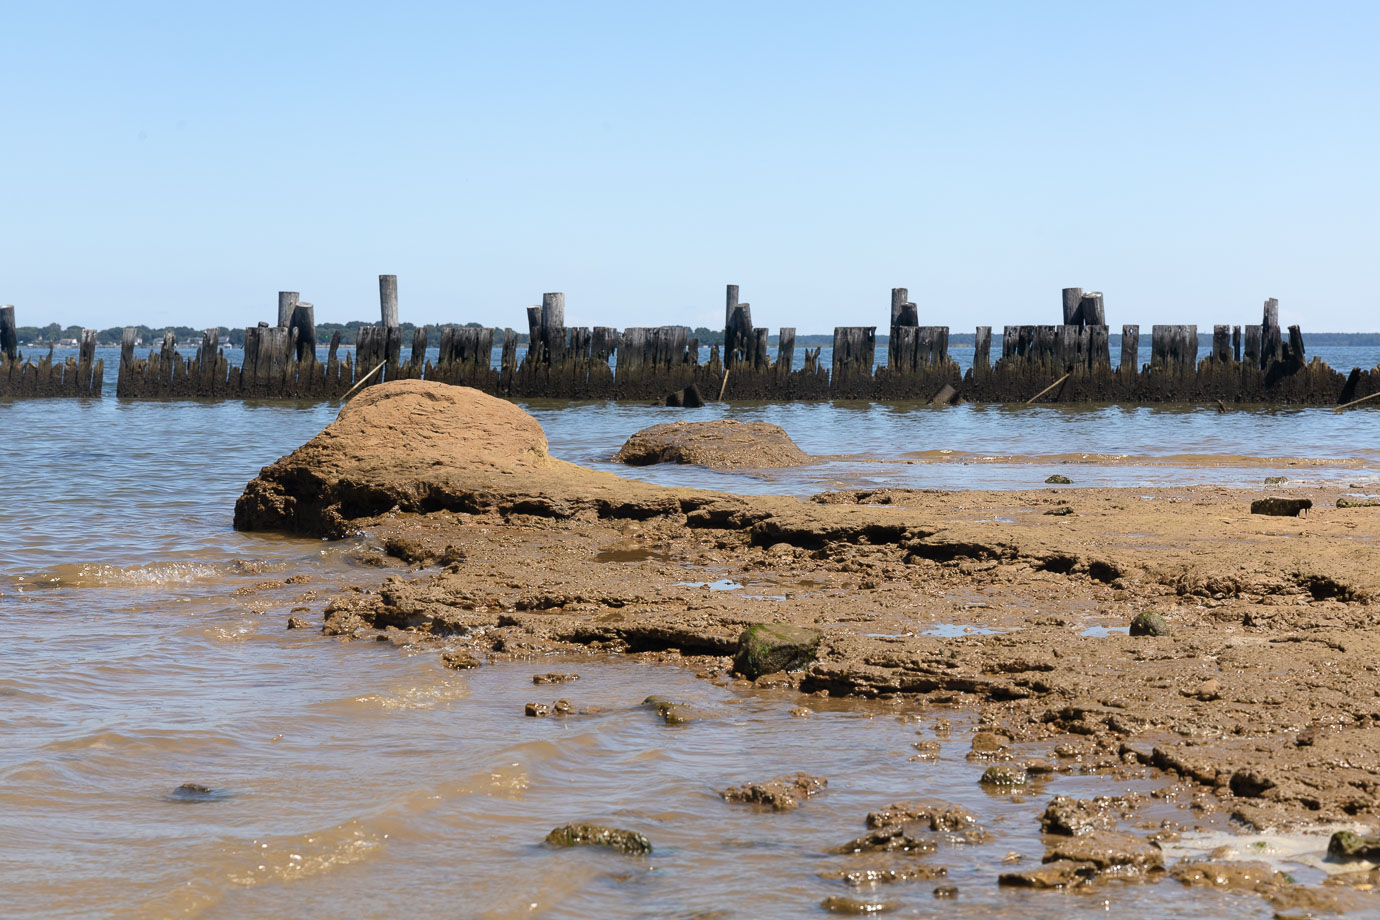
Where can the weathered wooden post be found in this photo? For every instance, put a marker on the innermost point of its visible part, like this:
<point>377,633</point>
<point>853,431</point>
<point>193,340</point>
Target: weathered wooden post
<point>982,350</point>
<point>1296,345</point>
<point>553,325</point>
<point>1130,350</point>
<point>1090,311</point>
<point>730,301</point>
<point>388,300</point>
<point>287,300</point>
<point>1072,298</point>
<point>124,381</point>
<point>1221,343</point>
<point>303,322</point>
<point>9,337</point>
<point>899,296</point>
<point>785,351</point>
<point>1271,342</point>
<point>1236,343</point>
<point>1250,346</point>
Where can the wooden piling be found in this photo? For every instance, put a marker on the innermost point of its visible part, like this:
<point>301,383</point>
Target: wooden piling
<point>730,301</point>
<point>1072,298</point>
<point>287,301</point>
<point>388,300</point>
<point>9,337</point>
<point>1090,310</point>
<point>982,350</point>
<point>1221,343</point>
<point>785,351</point>
<point>553,326</point>
<point>899,296</point>
<point>1130,350</point>
<point>303,322</point>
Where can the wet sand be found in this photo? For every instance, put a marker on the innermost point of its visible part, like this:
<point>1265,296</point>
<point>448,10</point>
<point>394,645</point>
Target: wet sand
<point>1007,605</point>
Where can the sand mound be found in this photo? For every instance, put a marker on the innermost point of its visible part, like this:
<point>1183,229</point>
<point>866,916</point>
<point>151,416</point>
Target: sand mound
<point>423,446</point>
<point>725,444</point>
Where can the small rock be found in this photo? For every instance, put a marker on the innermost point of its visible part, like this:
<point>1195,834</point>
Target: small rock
<point>1149,623</point>
<point>886,840</point>
<point>1107,851</point>
<point>946,891</point>
<point>571,835</point>
<point>777,680</point>
<point>859,877</point>
<point>1209,690</point>
<point>928,750</point>
<point>778,794</point>
<point>1058,480</point>
<point>553,678</point>
<point>1281,507</point>
<point>939,816</point>
<point>562,707</point>
<point>671,712</point>
<point>839,904</point>
<point>770,647</point>
<point>460,660</point>
<point>1276,480</point>
<point>1074,817</point>
<point>988,743</point>
<point>1061,874</point>
<point>800,712</point>
<point>537,710</point>
<point>1346,845</point>
<point>1003,776</point>
<point>192,793</point>
<point>1061,511</point>
<point>297,623</point>
<point>942,727</point>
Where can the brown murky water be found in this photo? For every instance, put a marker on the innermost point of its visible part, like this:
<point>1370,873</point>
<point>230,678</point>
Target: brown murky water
<point>145,649</point>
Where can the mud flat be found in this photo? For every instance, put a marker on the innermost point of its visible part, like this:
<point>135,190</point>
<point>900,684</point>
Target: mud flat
<point>1256,689</point>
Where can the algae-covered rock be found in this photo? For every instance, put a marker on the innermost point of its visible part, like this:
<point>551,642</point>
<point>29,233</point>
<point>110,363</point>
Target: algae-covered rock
<point>769,647</point>
<point>595,835</point>
<point>1370,502</point>
<point>1003,776</point>
<point>838,904</point>
<point>939,816</point>
<point>1349,845</point>
<point>1281,507</point>
<point>1058,480</point>
<point>1149,623</point>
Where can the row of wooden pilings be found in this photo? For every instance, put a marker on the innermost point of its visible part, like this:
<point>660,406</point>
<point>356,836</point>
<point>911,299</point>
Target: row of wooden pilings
<point>1251,364</point>
<point>79,375</point>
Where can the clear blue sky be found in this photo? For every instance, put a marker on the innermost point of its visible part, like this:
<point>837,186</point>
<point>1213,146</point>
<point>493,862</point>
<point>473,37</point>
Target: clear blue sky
<point>183,162</point>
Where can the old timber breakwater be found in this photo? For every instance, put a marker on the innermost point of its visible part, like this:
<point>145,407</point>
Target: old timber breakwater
<point>1066,363</point>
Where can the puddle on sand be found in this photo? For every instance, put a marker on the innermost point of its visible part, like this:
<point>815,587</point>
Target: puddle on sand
<point>1101,632</point>
<point>723,584</point>
<point>958,630</point>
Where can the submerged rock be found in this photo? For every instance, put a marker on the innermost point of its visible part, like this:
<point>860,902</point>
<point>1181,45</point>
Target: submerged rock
<point>839,904</point>
<point>571,835</point>
<point>1058,480</point>
<point>1075,817</point>
<point>724,444</point>
<point>778,794</point>
<point>459,659</point>
<point>860,877</point>
<point>1003,776</point>
<point>770,647</point>
<point>672,712</point>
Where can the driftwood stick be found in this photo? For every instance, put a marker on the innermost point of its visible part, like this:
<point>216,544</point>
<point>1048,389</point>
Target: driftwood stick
<point>1357,401</point>
<point>362,381</point>
<point>724,385</point>
<point>1048,388</point>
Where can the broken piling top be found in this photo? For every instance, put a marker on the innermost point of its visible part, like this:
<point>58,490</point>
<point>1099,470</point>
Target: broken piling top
<point>1271,317</point>
<point>388,300</point>
<point>1083,308</point>
<point>286,301</point>
<point>9,336</point>
<point>898,302</point>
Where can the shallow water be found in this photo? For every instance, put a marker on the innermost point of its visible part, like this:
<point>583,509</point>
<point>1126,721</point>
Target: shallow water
<point>146,650</point>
